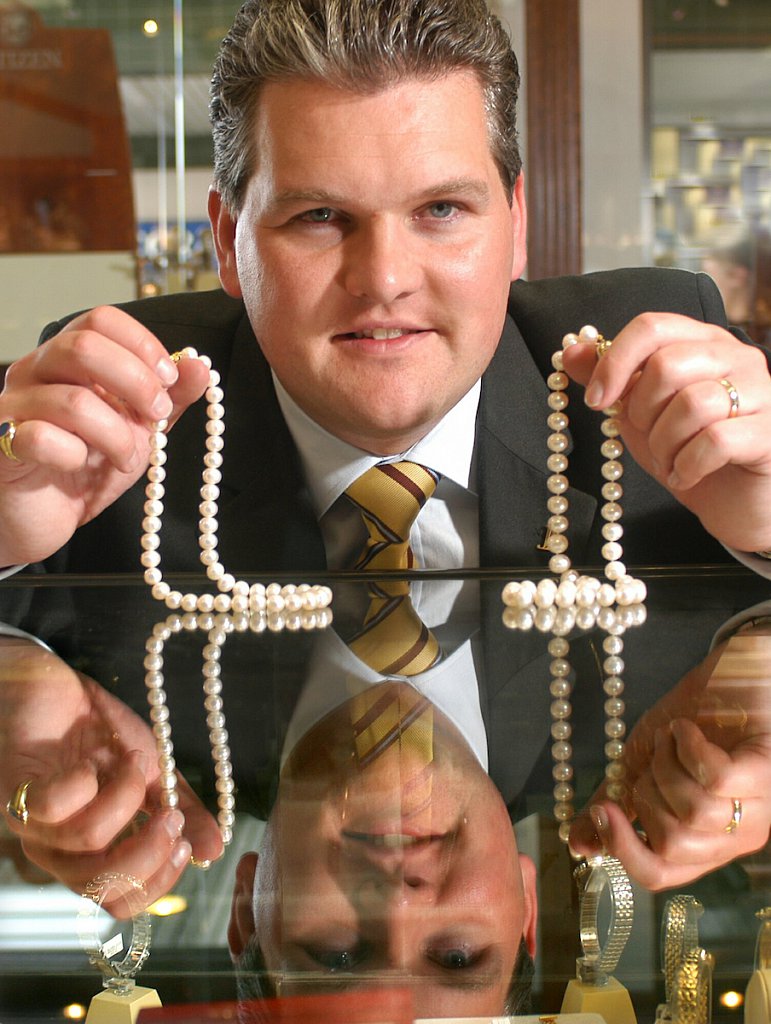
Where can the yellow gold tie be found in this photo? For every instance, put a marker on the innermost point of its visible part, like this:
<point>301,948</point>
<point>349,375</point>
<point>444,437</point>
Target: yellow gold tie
<point>389,497</point>
<point>393,639</point>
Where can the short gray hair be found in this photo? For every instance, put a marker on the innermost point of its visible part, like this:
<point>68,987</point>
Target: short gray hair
<point>362,46</point>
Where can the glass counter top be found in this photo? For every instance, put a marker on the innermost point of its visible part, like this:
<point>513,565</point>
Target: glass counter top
<point>397,762</point>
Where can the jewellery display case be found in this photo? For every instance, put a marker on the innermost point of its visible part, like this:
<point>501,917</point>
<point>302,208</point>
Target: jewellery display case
<point>82,700</point>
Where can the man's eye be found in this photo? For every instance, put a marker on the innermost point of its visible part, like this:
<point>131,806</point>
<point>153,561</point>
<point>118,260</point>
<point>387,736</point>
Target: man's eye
<point>442,211</point>
<point>323,215</point>
<point>338,960</point>
<point>454,958</point>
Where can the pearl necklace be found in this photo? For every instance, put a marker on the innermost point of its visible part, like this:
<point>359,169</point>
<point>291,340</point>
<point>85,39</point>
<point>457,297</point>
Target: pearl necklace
<point>233,595</point>
<point>237,605</point>
<point>217,627</point>
<point>571,600</point>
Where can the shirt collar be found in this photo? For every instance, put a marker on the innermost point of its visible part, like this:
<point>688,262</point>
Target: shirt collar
<point>330,465</point>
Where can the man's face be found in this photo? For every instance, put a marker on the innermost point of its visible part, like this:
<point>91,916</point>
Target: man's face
<point>366,877</point>
<point>374,250</point>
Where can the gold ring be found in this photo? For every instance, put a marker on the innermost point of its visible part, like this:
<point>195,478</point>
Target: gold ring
<point>17,805</point>
<point>736,817</point>
<point>7,434</point>
<point>603,346</point>
<point>733,395</point>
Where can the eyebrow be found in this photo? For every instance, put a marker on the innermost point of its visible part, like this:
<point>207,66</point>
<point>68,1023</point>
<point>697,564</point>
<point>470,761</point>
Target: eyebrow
<point>472,188</point>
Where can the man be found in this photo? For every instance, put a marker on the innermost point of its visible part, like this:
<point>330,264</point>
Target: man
<point>368,212</point>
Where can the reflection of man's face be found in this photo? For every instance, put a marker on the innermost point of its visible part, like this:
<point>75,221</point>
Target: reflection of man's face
<point>393,872</point>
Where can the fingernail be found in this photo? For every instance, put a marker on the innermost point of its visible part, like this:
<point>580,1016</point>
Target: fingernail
<point>593,395</point>
<point>162,406</point>
<point>673,481</point>
<point>601,824</point>
<point>167,372</point>
<point>141,760</point>
<point>174,822</point>
<point>180,855</point>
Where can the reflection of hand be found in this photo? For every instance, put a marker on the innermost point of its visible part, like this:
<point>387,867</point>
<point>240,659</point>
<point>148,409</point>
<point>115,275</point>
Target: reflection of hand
<point>704,745</point>
<point>675,419</point>
<point>83,403</point>
<point>93,767</point>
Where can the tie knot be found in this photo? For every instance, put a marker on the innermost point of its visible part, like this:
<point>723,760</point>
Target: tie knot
<point>389,497</point>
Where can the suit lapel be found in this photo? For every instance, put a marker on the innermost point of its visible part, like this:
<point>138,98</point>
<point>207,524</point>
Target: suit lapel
<point>511,457</point>
<point>265,508</point>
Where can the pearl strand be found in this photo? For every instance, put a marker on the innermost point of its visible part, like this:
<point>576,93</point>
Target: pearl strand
<point>570,601</point>
<point>233,595</point>
<point>217,627</point>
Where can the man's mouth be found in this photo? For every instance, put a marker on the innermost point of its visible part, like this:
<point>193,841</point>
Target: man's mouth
<point>382,333</point>
<point>393,840</point>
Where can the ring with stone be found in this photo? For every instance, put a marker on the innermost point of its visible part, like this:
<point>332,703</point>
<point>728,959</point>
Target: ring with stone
<point>733,396</point>
<point>7,434</point>
<point>736,817</point>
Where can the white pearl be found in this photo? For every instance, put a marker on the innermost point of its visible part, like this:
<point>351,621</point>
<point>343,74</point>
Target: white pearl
<point>153,576</point>
<point>569,340</point>
<point>588,334</point>
<point>611,551</point>
<point>611,511</point>
<point>559,563</point>
<point>150,560</point>
<point>558,401</point>
<point>557,483</point>
<point>557,421</point>
<point>615,570</point>
<point>612,470</point>
<point>557,443</point>
<point>612,449</point>
<point>557,504</point>
<point>557,361</point>
<point>557,381</point>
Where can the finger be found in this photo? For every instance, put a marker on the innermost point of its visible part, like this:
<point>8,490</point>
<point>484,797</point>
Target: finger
<point>58,426</point>
<point>154,853</point>
<point>741,442</point>
<point>95,824</point>
<point>107,346</point>
<point>52,800</point>
<point>673,351</point>
<point>682,787</point>
<point>747,769</point>
<point>641,861</point>
<point>201,829</point>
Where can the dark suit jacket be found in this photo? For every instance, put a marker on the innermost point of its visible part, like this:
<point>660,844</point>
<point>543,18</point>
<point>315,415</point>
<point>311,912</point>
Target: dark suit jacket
<point>266,520</point>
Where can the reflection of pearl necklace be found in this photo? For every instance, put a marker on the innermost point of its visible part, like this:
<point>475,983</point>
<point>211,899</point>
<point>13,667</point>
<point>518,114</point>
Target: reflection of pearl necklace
<point>233,595</point>
<point>572,601</point>
<point>218,627</point>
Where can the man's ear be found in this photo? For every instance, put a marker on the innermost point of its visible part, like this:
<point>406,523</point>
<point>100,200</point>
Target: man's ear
<point>241,924</point>
<point>519,228</point>
<point>529,928</point>
<point>223,226</point>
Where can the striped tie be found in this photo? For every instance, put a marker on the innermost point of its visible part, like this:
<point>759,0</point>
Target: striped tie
<point>389,497</point>
<point>393,639</point>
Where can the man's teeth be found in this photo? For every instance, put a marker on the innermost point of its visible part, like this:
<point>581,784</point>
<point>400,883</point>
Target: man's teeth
<point>382,333</point>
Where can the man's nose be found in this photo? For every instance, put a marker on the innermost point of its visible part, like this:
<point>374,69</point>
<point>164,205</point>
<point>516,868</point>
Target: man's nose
<point>382,262</point>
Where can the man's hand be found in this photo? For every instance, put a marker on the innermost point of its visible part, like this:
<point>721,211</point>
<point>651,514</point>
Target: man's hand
<point>94,796</point>
<point>702,747</point>
<point>667,370</point>
<point>83,403</point>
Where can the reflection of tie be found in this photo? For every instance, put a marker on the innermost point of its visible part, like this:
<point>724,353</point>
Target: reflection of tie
<point>392,713</point>
<point>393,640</point>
